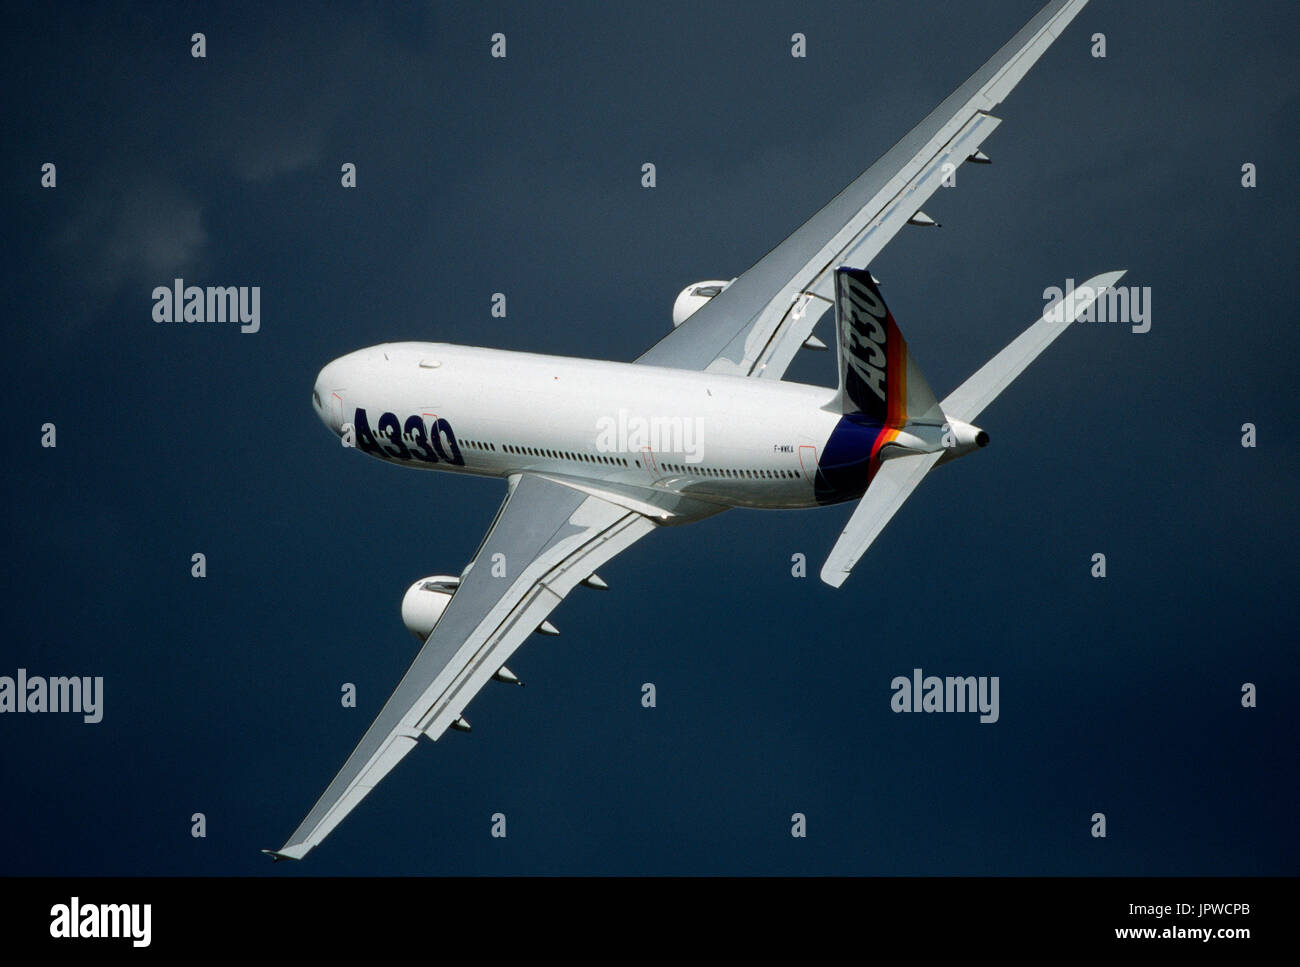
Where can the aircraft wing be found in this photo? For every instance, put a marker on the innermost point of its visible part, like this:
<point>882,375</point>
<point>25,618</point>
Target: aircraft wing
<point>755,326</point>
<point>550,537</point>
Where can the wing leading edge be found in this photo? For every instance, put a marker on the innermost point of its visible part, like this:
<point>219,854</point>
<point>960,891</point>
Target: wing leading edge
<point>551,537</point>
<point>756,325</point>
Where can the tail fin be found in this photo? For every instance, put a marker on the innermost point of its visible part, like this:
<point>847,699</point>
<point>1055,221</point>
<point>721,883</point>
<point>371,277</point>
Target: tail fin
<point>878,377</point>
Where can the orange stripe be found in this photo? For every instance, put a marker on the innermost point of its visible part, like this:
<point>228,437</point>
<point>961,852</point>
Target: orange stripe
<point>901,380</point>
<point>886,435</point>
<point>896,361</point>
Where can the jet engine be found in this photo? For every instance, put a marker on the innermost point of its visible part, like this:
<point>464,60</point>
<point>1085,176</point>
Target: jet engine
<point>695,295</point>
<point>425,601</point>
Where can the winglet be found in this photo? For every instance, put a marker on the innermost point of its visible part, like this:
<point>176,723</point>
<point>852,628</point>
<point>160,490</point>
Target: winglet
<point>288,852</point>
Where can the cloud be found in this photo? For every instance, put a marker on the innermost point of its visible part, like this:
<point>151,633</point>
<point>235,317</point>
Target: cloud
<point>133,232</point>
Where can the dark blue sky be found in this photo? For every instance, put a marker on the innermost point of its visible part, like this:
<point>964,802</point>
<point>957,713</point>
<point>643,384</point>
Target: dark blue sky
<point>478,175</point>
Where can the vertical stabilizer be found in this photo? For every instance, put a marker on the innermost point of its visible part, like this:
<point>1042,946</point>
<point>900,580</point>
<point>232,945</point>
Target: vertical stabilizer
<point>878,377</point>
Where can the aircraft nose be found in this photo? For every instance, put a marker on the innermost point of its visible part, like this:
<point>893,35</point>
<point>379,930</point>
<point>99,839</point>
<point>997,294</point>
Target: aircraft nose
<point>327,396</point>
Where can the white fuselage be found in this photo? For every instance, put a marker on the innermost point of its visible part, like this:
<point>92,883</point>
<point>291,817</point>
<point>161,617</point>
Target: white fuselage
<point>722,439</point>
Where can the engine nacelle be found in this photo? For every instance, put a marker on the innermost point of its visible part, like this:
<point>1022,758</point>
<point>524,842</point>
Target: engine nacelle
<point>425,601</point>
<point>692,298</point>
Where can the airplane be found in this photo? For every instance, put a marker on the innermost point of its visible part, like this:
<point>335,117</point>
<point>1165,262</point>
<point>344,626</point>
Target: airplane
<point>598,454</point>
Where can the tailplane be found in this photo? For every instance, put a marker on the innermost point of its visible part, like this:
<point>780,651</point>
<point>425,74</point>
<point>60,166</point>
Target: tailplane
<point>969,399</point>
<point>877,377</point>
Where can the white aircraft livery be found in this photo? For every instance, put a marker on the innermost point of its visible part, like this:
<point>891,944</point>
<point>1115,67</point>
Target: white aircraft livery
<point>596,455</point>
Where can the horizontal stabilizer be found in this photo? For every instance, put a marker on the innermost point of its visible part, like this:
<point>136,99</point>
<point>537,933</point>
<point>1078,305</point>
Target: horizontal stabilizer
<point>969,399</point>
<point>892,484</point>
